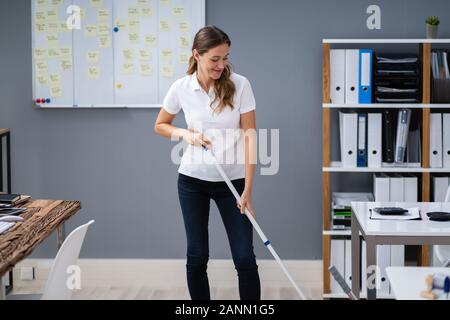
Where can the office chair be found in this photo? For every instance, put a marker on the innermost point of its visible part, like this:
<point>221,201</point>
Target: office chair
<point>56,286</point>
<point>442,252</point>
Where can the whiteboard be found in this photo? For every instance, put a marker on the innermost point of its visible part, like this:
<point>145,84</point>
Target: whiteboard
<point>125,53</point>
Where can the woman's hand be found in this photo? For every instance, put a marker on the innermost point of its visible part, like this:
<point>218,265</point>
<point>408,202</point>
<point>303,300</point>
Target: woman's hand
<point>196,138</point>
<point>246,202</point>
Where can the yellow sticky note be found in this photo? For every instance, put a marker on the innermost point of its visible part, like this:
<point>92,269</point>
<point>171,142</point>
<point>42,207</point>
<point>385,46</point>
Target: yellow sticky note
<point>134,26</point>
<point>184,58</point>
<point>66,63</point>
<point>133,37</point>
<point>150,40</point>
<point>66,52</point>
<point>55,78</point>
<point>178,11</point>
<point>105,42</point>
<point>103,15</point>
<point>55,91</point>
<point>40,16</point>
<point>42,78</point>
<point>53,53</point>
<point>164,25</point>
<point>41,66</point>
<point>56,3</point>
<point>52,40</point>
<point>133,13</point>
<point>128,68</point>
<point>52,14</point>
<point>184,26</point>
<point>40,3</point>
<point>90,31</point>
<point>104,30</point>
<point>184,41</point>
<point>147,12</point>
<point>142,3</point>
<point>92,56</point>
<point>63,27</point>
<point>40,53</point>
<point>166,54</point>
<point>41,27</point>
<point>145,54</point>
<point>128,54</point>
<point>145,69</point>
<point>121,23</point>
<point>53,27</point>
<point>96,3</point>
<point>82,13</point>
<point>93,72</point>
<point>164,3</point>
<point>167,71</point>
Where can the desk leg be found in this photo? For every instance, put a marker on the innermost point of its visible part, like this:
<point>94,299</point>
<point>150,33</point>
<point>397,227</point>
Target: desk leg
<point>356,258</point>
<point>61,233</point>
<point>371,263</point>
<point>2,289</point>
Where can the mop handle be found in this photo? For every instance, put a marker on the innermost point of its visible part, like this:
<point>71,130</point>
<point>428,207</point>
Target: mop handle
<point>255,224</point>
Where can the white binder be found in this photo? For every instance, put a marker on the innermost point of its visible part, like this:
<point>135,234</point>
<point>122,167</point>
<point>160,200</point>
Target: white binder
<point>396,188</point>
<point>348,131</point>
<point>410,188</point>
<point>337,76</point>
<point>383,261</point>
<point>363,266</point>
<point>397,257</point>
<point>440,188</point>
<point>436,140</point>
<point>381,187</point>
<point>446,140</point>
<point>352,76</point>
<point>348,262</point>
<point>337,256</point>
<point>374,140</point>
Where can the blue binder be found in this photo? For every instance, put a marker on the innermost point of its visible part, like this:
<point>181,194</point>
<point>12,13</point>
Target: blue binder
<point>361,157</point>
<point>365,75</point>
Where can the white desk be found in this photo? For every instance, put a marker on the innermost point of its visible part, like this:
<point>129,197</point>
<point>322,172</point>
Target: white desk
<point>408,282</point>
<point>376,232</point>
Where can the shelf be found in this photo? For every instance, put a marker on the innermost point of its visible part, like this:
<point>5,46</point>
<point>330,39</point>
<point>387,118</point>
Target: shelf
<point>336,166</point>
<point>337,232</point>
<point>342,295</point>
<point>394,41</point>
<point>387,106</point>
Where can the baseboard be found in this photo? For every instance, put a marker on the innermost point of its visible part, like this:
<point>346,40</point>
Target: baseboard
<point>164,273</point>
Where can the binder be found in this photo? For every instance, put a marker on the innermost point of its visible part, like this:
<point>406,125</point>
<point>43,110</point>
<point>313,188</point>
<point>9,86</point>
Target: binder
<point>348,262</point>
<point>363,266</point>
<point>410,188</point>
<point>404,119</point>
<point>374,140</point>
<point>337,76</point>
<point>381,187</point>
<point>396,191</point>
<point>446,140</point>
<point>365,76</point>
<point>440,188</point>
<point>397,258</point>
<point>337,256</point>
<point>352,76</point>
<point>388,136</point>
<point>383,261</point>
<point>348,138</point>
<point>436,140</point>
<point>362,140</point>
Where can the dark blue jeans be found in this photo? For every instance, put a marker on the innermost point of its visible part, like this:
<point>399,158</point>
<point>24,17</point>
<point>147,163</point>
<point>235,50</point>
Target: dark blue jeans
<point>195,196</point>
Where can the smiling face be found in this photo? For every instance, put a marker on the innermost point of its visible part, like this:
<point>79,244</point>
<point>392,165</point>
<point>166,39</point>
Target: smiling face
<point>212,63</point>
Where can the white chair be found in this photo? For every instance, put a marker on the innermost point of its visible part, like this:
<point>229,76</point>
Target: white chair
<point>441,252</point>
<point>56,286</point>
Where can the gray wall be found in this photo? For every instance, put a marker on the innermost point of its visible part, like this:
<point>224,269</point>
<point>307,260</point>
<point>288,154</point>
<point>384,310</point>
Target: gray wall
<point>120,170</point>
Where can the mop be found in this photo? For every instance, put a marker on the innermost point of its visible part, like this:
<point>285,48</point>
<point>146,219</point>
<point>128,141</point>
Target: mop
<point>255,225</point>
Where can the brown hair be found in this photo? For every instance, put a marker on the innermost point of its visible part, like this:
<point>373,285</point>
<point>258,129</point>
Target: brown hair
<point>206,38</point>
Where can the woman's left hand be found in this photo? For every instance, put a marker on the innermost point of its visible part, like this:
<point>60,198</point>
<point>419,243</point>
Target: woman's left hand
<point>246,202</point>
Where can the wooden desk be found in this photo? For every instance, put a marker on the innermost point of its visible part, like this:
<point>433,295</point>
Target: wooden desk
<point>41,219</point>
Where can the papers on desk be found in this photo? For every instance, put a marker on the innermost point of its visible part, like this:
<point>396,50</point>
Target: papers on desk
<point>412,214</point>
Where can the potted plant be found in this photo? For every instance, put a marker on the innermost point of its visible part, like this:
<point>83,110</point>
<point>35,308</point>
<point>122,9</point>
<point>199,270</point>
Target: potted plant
<point>432,23</point>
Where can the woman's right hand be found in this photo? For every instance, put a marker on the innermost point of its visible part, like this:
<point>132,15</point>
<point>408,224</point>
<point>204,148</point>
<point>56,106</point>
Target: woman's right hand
<point>196,138</point>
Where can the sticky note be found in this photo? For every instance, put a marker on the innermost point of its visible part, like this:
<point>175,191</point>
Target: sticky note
<point>164,25</point>
<point>184,26</point>
<point>145,54</point>
<point>55,79</point>
<point>103,15</point>
<point>93,72</point>
<point>90,31</point>
<point>41,27</point>
<point>166,54</point>
<point>128,54</point>
<point>128,68</point>
<point>178,11</point>
<point>164,3</point>
<point>134,26</point>
<point>121,23</point>
<point>66,52</point>
<point>183,58</point>
<point>42,78</point>
<point>40,16</point>
<point>133,37</point>
<point>104,29</point>
<point>64,28</point>
<point>96,3</point>
<point>40,3</point>
<point>142,2</point>
<point>167,71</point>
<point>55,91</point>
<point>105,42</point>
<point>145,69</point>
<point>52,15</point>
<point>184,41</point>
<point>66,63</point>
<point>133,13</point>
<point>53,53</point>
<point>55,3</point>
<point>52,40</point>
<point>147,12</point>
<point>92,56</point>
<point>82,13</point>
<point>150,40</point>
<point>53,27</point>
<point>40,53</point>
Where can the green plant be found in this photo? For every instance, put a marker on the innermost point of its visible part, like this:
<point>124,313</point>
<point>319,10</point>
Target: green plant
<point>432,20</point>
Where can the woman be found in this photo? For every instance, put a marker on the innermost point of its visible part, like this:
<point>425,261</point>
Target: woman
<point>213,97</point>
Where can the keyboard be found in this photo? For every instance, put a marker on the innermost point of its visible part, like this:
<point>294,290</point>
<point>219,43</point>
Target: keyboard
<point>4,226</point>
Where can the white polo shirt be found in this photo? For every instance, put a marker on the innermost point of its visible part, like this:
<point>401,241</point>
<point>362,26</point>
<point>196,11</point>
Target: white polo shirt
<point>223,129</point>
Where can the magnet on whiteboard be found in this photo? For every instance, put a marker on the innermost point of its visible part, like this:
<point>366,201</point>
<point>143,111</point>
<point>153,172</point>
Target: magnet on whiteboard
<point>119,86</point>
<point>116,29</point>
